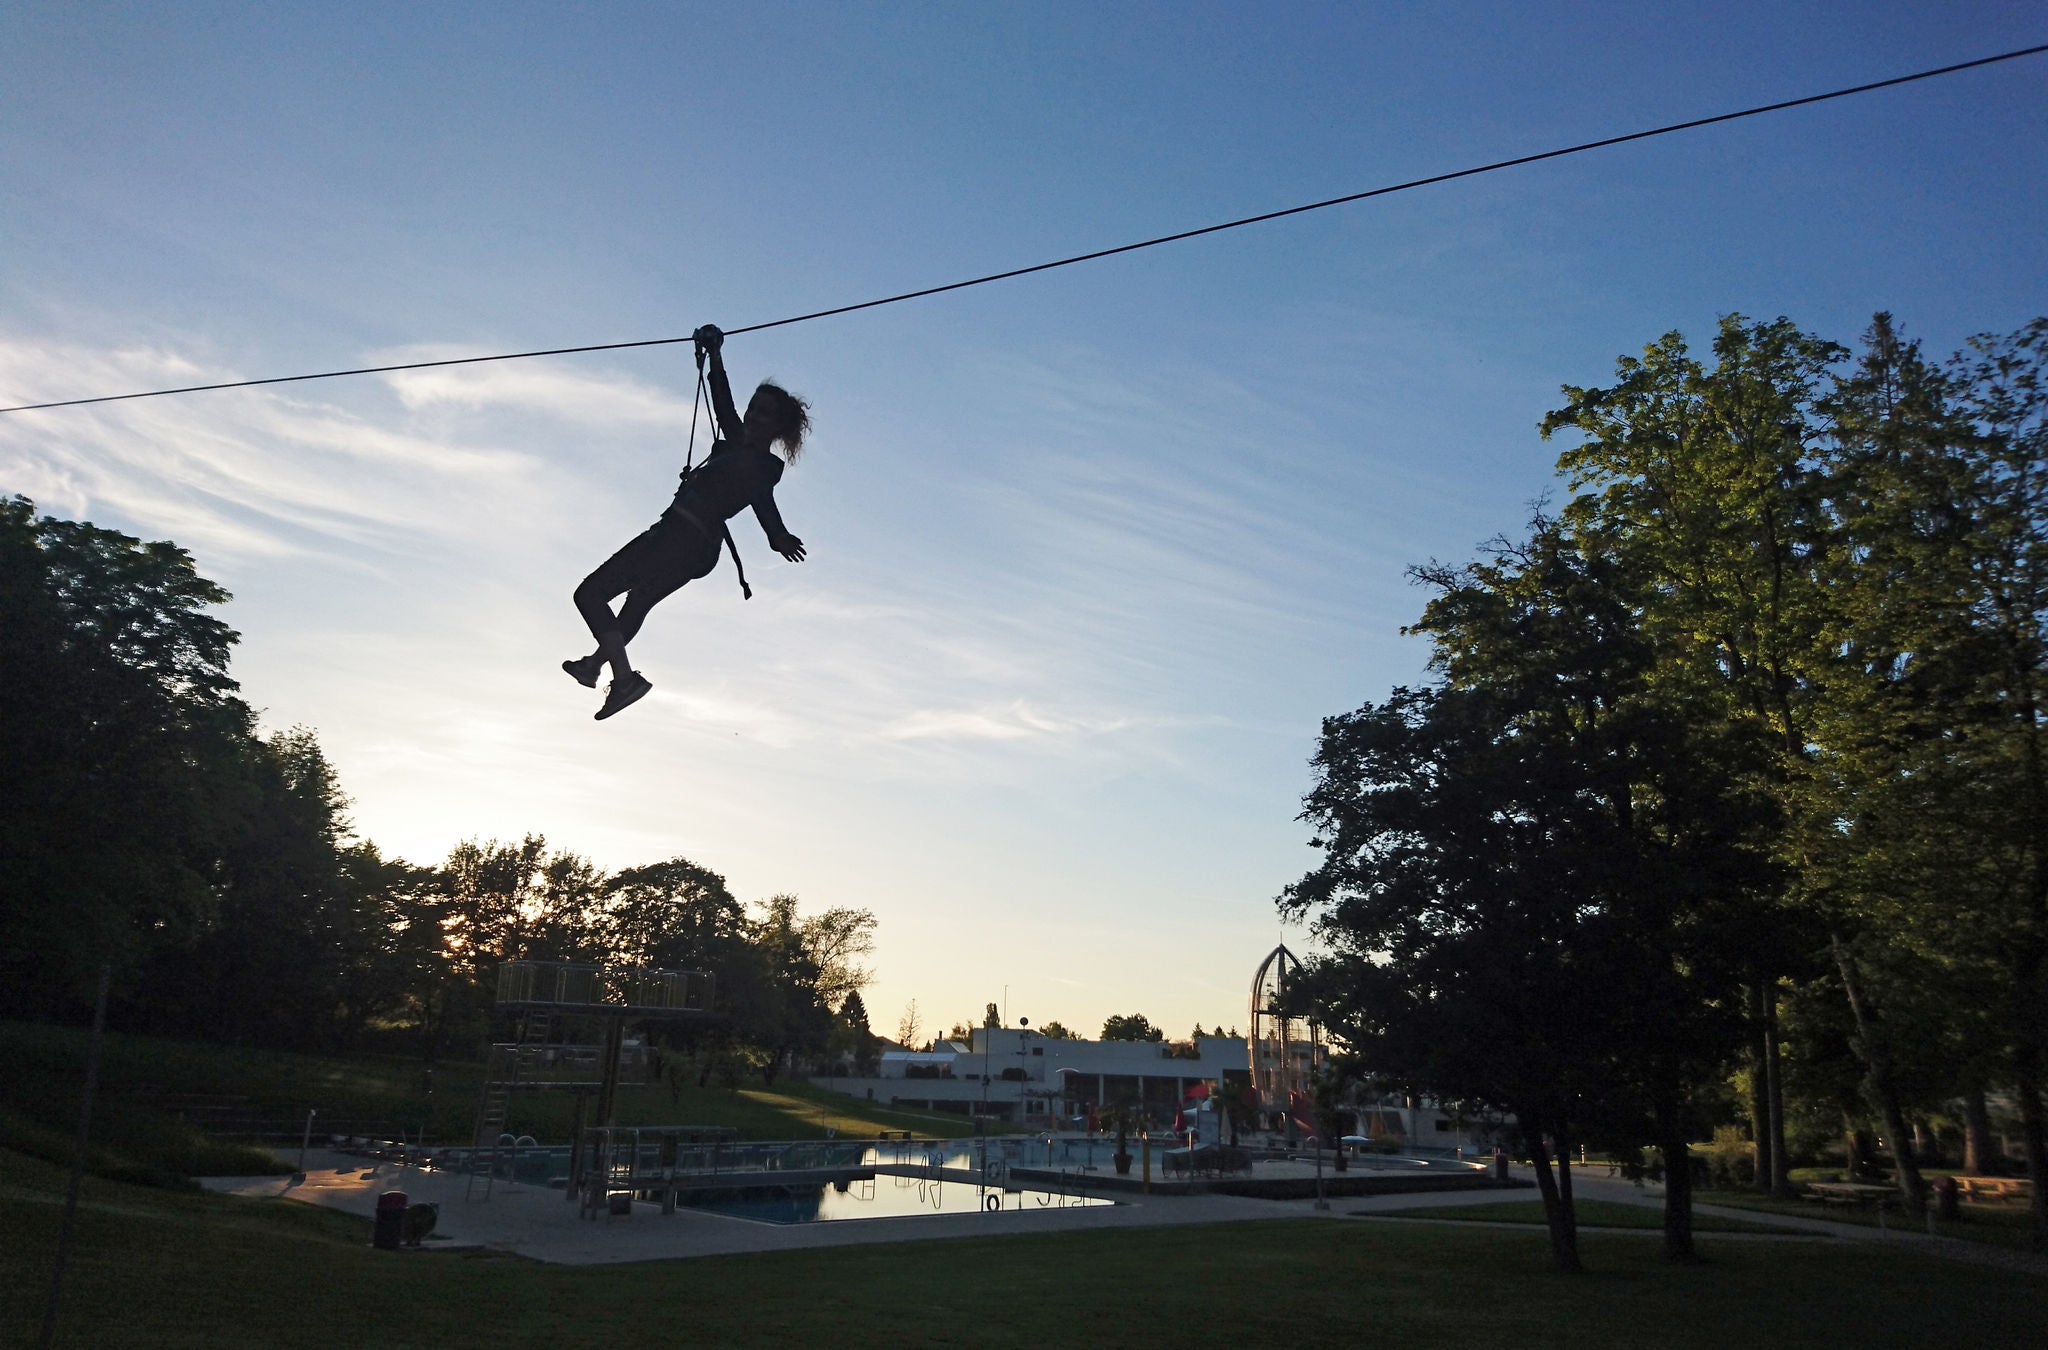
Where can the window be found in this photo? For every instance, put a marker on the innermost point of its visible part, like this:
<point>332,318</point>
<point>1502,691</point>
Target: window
<point>1037,1049</point>
<point>1443,1126</point>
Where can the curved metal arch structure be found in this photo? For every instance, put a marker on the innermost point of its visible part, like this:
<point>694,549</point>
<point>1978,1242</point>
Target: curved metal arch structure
<point>1278,1034</point>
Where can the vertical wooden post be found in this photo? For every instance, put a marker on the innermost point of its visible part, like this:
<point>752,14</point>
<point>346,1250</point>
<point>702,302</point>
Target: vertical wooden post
<point>92,1082</point>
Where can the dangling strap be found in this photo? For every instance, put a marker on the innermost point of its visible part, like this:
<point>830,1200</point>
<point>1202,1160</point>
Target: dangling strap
<point>689,459</point>
<point>690,456</point>
<point>746,591</point>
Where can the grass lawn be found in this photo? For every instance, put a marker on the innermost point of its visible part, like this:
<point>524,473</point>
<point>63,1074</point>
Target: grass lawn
<point>1997,1225</point>
<point>136,1137</point>
<point>160,1269</point>
<point>1592,1214</point>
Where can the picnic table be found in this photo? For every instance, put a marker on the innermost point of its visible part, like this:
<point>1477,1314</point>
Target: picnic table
<point>1851,1193</point>
<point>1995,1190</point>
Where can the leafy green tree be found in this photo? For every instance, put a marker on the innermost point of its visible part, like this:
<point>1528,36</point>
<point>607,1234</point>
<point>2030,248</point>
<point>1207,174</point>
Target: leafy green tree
<point>676,915</point>
<point>852,1037</point>
<point>1927,820</point>
<point>1714,486</point>
<point>776,1004</point>
<point>383,962</point>
<point>1055,1031</point>
<point>267,966</point>
<point>122,772</point>
<point>1134,1027</point>
<point>835,941</point>
<point>1535,876</point>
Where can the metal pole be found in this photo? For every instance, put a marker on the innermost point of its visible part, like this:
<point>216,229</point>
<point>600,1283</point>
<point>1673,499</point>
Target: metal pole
<point>305,1140</point>
<point>92,1082</point>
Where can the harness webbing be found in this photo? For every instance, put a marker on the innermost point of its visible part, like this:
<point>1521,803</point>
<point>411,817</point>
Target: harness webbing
<point>690,467</point>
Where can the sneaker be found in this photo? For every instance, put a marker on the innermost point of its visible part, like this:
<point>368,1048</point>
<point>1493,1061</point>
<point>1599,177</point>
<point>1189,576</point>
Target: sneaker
<point>585,670</point>
<point>624,694</point>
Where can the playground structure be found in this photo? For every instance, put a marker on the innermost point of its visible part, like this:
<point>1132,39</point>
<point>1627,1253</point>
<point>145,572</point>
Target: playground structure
<point>1284,1061</point>
<point>568,1034</point>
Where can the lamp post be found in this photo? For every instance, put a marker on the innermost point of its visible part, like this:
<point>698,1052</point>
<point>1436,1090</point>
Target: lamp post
<point>1023,1069</point>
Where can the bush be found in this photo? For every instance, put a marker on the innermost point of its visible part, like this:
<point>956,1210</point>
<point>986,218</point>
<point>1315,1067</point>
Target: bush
<point>1730,1160</point>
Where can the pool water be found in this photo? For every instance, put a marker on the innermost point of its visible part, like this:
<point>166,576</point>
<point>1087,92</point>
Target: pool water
<point>885,1197</point>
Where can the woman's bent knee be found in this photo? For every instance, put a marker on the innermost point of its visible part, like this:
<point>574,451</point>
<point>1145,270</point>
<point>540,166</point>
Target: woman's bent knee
<point>593,602</point>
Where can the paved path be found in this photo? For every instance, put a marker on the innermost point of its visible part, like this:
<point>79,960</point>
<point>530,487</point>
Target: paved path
<point>1651,1196</point>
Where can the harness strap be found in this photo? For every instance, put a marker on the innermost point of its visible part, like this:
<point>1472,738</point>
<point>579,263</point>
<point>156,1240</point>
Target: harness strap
<point>746,591</point>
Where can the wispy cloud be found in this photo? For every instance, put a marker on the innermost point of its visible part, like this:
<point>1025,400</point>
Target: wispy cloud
<point>551,389</point>
<point>252,473</point>
<point>1014,722</point>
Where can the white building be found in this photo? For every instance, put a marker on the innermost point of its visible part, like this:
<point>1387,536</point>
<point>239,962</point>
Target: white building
<point>1023,1079</point>
<point>1027,1079</point>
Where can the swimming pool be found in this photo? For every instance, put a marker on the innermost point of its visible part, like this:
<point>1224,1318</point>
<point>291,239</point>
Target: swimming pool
<point>884,1197</point>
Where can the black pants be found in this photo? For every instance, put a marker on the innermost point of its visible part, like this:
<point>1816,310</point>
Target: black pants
<point>661,560</point>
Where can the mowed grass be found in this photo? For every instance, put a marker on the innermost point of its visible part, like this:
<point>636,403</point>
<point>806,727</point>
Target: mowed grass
<point>136,1134</point>
<point>2009,1225</point>
<point>1591,1214</point>
<point>160,1269</point>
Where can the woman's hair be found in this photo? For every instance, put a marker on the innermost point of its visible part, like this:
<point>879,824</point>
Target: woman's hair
<point>792,416</point>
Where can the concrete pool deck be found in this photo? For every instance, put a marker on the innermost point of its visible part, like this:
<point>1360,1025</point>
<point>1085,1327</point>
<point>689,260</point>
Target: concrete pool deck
<point>541,1223</point>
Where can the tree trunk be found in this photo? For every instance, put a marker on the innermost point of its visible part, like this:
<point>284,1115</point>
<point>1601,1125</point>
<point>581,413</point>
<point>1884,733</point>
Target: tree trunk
<point>1980,1147</point>
<point>1557,1210</point>
<point>1677,1152</point>
<point>1883,1094</point>
<point>1563,1141</point>
<point>2034,1129</point>
<point>1759,1095</point>
<point>1774,1077</point>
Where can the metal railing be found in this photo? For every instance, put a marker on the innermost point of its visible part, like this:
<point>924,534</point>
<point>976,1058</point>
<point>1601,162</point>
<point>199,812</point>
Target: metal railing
<point>566,984</point>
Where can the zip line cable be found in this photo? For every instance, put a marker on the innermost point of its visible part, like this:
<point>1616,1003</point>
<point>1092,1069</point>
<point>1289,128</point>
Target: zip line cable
<point>1412,183</point>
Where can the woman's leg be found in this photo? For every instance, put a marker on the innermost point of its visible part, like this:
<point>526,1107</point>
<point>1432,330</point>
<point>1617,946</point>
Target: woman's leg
<point>649,569</point>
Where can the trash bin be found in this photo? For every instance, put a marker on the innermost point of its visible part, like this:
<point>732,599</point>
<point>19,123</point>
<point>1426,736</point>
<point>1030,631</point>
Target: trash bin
<point>390,1227</point>
<point>1945,1198</point>
<point>1500,1164</point>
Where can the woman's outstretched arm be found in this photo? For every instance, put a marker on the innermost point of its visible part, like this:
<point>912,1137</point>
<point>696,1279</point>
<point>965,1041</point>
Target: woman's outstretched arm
<point>710,340</point>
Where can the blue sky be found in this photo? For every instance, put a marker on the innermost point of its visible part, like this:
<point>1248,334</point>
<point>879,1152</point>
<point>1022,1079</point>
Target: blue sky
<point>1092,552</point>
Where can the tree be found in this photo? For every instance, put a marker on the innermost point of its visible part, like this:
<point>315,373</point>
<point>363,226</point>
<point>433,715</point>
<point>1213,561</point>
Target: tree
<point>2006,400</point>
<point>1135,1027</point>
<point>1850,560</point>
<point>908,1025</point>
<point>835,941</point>
<point>676,915</point>
<point>1713,486</point>
<point>267,966</point>
<point>1535,876</point>
<point>122,771</point>
<point>1054,1031</point>
<point>851,1035</point>
<point>775,1004</point>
